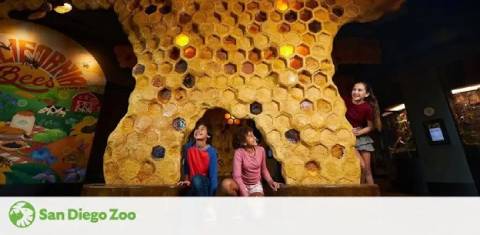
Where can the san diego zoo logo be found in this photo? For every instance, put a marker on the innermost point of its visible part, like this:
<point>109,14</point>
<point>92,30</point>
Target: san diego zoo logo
<point>22,214</point>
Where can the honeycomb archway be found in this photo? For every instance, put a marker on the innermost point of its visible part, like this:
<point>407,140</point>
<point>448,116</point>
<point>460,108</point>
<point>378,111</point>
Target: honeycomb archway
<point>195,55</point>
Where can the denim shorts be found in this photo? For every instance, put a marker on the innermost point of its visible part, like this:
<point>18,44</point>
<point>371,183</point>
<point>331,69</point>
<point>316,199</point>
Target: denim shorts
<point>364,143</point>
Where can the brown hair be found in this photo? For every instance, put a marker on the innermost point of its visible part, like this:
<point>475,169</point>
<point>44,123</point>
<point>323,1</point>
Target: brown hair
<point>240,137</point>
<point>373,102</point>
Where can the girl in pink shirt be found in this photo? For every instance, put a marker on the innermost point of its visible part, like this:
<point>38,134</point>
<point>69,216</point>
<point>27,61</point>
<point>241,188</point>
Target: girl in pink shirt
<point>249,166</point>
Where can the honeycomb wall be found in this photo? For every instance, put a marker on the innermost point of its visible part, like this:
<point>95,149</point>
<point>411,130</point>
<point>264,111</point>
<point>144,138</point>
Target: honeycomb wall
<point>269,61</point>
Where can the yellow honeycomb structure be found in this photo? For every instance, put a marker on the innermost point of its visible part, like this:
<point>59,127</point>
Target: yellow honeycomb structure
<point>266,60</point>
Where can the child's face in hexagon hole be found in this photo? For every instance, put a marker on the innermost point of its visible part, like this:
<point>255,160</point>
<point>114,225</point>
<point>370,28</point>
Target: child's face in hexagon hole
<point>201,133</point>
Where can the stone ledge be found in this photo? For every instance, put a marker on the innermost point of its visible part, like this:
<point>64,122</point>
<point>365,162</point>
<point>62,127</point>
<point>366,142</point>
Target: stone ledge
<point>172,190</point>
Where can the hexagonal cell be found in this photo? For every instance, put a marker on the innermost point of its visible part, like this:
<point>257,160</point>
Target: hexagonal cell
<point>279,64</point>
<point>311,4</point>
<point>288,78</point>
<point>261,16</point>
<point>222,54</point>
<point>179,124</point>
<point>254,28</point>
<point>275,16</point>
<point>184,18</point>
<point>247,67</point>
<point>166,68</point>
<point>292,136</point>
<point>308,38</point>
<point>158,152</point>
<point>164,95</point>
<point>337,151</point>
<point>283,28</point>
<point>338,11</point>
<point>138,69</point>
<point>305,78</point>
<point>315,26</point>
<point>256,108</point>
<point>230,68</point>
<point>313,93</point>
<point>321,14</point>
<point>240,55</point>
<point>189,52</point>
<point>158,81</point>
<point>255,55</point>
<point>252,6</point>
<point>296,62</point>
<point>262,69</point>
<point>306,105</point>
<point>324,106</point>
<point>306,15</point>
<point>330,92</point>
<point>213,40</point>
<point>312,166</point>
<point>296,5</point>
<point>167,8</point>
<point>229,41</point>
<point>270,53</point>
<point>303,50</point>
<point>150,9</point>
<point>189,81</point>
<point>180,94</point>
<point>290,16</point>
<point>206,53</point>
<point>320,79</point>
<point>298,27</point>
<point>311,64</point>
<point>287,50</point>
<point>174,53</point>
<point>181,66</point>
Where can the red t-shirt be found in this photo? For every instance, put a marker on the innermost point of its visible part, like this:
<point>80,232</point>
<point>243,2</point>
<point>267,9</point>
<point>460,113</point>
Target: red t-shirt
<point>198,161</point>
<point>358,114</point>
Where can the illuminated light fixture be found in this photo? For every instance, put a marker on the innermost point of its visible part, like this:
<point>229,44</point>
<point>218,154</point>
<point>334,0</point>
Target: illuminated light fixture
<point>286,50</point>
<point>385,114</point>
<point>465,89</point>
<point>396,108</point>
<point>228,116</point>
<point>182,40</point>
<point>281,5</point>
<point>62,9</point>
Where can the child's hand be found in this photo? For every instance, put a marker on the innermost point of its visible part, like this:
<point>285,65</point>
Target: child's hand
<point>184,183</point>
<point>357,131</point>
<point>274,185</point>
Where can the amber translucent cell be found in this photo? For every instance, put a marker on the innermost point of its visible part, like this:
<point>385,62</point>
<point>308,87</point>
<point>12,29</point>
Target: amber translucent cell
<point>247,68</point>
<point>174,53</point>
<point>311,4</point>
<point>164,95</point>
<point>296,62</point>
<point>314,26</point>
<point>205,53</point>
<point>270,53</point>
<point>230,68</point>
<point>181,66</point>
<point>306,105</point>
<point>158,81</point>
<point>184,18</point>
<point>166,68</point>
<point>303,50</point>
<point>320,79</point>
<point>306,15</point>
<point>292,136</point>
<point>255,55</point>
<point>290,16</point>
<point>229,41</point>
<point>296,5</point>
<point>180,94</point>
<point>283,28</point>
<point>338,151</point>
<point>275,16</point>
<point>305,78</point>
<point>312,166</point>
<point>254,28</point>
<point>323,106</point>
<point>222,54</point>
<point>261,16</point>
<point>189,81</point>
<point>252,6</point>
<point>189,52</point>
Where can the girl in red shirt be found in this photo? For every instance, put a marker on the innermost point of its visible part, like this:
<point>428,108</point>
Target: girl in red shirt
<point>363,114</point>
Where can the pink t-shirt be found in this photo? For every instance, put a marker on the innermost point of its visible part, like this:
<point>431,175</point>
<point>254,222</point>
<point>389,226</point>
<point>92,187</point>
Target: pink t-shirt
<point>248,170</point>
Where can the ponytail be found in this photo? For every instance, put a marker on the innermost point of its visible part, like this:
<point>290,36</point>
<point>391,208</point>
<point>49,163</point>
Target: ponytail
<point>373,102</point>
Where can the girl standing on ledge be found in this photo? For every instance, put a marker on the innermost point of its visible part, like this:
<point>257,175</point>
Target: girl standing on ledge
<point>200,164</point>
<point>363,114</point>
<point>249,166</point>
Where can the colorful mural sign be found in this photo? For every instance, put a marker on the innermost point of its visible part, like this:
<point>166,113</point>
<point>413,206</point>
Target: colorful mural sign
<point>50,93</point>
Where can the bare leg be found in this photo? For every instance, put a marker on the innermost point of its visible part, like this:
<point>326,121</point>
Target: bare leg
<point>230,187</point>
<point>362,167</point>
<point>366,156</point>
